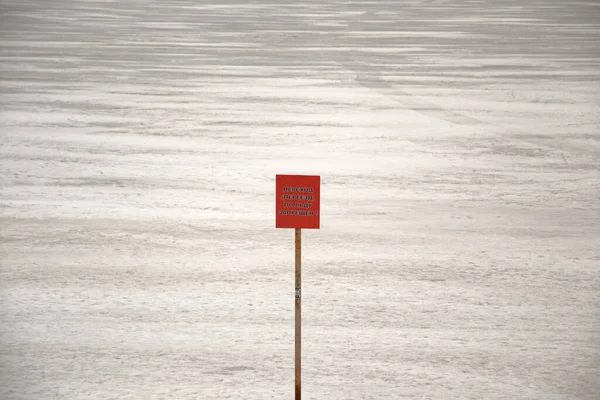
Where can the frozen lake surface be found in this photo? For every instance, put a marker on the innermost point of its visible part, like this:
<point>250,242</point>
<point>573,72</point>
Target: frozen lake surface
<point>459,148</point>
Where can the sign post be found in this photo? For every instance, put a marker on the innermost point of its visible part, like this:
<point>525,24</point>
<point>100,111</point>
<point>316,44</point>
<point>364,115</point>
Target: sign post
<point>298,313</point>
<point>297,206</point>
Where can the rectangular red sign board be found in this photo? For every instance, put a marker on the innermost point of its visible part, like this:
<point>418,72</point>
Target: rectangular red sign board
<point>297,201</point>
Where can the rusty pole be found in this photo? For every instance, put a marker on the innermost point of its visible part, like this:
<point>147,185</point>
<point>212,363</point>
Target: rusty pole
<point>298,311</point>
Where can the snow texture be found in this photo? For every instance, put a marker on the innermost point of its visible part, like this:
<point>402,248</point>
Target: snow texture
<point>459,148</point>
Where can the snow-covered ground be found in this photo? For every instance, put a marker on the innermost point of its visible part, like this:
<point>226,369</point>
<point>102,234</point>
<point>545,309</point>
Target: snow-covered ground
<point>459,148</point>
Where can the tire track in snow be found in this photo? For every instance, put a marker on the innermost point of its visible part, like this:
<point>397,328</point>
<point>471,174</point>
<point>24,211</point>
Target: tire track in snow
<point>371,77</point>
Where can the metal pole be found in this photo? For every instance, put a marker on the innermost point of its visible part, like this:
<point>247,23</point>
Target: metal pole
<point>298,310</point>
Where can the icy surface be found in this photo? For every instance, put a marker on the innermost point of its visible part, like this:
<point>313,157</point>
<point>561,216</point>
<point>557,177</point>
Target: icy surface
<point>459,148</point>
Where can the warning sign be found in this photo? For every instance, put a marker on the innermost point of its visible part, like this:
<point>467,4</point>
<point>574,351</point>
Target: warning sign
<point>297,201</point>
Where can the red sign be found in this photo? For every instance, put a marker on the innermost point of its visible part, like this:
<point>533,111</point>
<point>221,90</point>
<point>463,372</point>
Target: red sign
<point>297,201</point>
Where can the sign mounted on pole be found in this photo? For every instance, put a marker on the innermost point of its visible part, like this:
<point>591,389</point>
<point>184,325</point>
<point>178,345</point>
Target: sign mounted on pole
<point>297,206</point>
<point>297,202</point>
